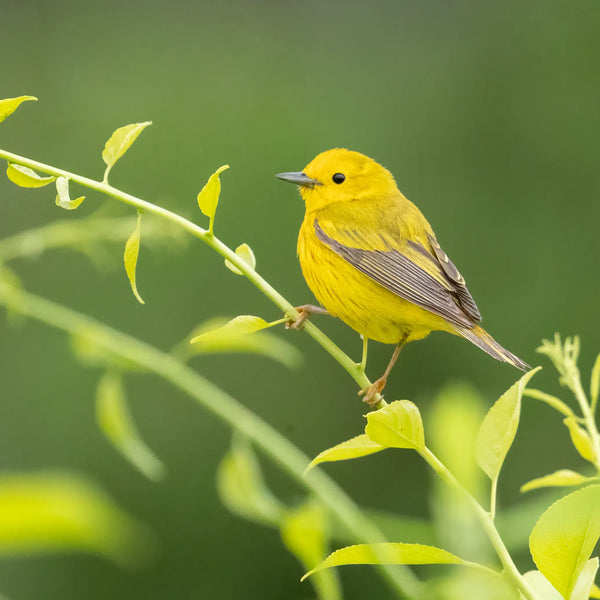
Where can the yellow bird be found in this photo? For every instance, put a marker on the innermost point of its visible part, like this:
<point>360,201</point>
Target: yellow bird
<point>372,259</point>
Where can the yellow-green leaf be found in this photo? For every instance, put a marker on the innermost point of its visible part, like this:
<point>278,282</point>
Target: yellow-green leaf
<point>499,428</point>
<point>540,586</point>
<point>361,445</point>
<point>117,424</point>
<point>564,477</point>
<point>595,383</point>
<point>241,486</point>
<point>260,342</point>
<point>595,591</point>
<point>240,326</point>
<point>245,253</point>
<point>119,142</point>
<point>9,105</point>
<point>208,198</point>
<point>585,583</point>
<point>62,198</point>
<point>304,534</point>
<point>132,249</point>
<point>564,537</point>
<point>26,177</point>
<point>580,438</point>
<point>58,512</point>
<point>388,554</point>
<point>397,425</point>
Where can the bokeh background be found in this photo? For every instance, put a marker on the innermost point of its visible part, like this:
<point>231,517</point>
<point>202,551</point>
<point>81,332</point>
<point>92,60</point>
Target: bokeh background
<point>486,112</point>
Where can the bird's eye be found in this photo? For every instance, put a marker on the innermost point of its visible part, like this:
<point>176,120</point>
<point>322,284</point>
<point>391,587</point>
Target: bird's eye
<point>339,178</point>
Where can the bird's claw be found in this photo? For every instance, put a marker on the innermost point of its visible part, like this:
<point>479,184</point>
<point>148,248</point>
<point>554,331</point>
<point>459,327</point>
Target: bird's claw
<point>298,322</point>
<point>304,313</point>
<point>372,391</point>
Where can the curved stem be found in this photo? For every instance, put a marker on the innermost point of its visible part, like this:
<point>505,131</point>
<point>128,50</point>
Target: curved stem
<point>485,520</point>
<point>207,237</point>
<point>221,404</point>
<point>588,416</point>
<point>365,349</point>
<point>493,494</point>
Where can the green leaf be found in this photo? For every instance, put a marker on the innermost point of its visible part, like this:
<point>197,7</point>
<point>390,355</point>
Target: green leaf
<point>117,424</point>
<point>564,537</point>
<point>57,512</point>
<point>304,534</point>
<point>260,342</point>
<point>388,554</point>
<point>245,253</point>
<point>241,486</point>
<point>9,105</point>
<point>119,142</point>
<point>240,326</point>
<point>564,477</point>
<point>361,445</point>
<point>540,586</point>
<point>580,438</point>
<point>132,249</point>
<point>397,425</point>
<point>499,427</point>
<point>63,199</point>
<point>26,177</point>
<point>208,198</point>
<point>550,400</point>
<point>585,583</point>
<point>595,383</point>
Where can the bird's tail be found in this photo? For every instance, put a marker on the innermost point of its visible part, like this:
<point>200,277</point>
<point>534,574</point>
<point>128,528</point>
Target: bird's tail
<point>487,343</point>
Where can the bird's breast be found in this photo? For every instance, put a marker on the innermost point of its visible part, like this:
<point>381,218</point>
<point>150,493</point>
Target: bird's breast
<point>363,304</point>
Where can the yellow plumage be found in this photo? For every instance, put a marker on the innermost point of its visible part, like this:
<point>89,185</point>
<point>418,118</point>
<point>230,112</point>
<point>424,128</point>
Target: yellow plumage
<point>372,259</point>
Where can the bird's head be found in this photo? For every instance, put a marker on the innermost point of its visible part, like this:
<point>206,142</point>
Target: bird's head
<point>340,175</point>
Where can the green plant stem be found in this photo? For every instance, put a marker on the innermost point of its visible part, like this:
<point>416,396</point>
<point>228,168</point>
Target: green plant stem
<point>493,494</point>
<point>552,401</point>
<point>363,360</point>
<point>221,404</point>
<point>484,518</point>
<point>588,416</point>
<point>207,237</point>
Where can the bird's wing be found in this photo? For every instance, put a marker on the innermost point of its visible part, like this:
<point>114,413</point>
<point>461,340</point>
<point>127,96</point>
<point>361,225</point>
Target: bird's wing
<point>407,261</point>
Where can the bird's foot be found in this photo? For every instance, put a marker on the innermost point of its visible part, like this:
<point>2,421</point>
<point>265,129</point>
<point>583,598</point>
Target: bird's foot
<point>371,392</point>
<point>304,313</point>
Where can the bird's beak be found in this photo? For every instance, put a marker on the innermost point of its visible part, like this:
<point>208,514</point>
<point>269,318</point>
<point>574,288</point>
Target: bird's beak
<point>299,178</point>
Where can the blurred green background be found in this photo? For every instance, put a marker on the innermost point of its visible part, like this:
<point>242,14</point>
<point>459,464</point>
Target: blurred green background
<point>487,113</point>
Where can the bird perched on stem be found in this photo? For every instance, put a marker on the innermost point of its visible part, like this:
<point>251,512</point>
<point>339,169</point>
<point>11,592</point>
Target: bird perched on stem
<point>372,259</point>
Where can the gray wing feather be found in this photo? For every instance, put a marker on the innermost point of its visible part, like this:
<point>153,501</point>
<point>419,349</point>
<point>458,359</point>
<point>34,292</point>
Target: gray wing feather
<point>400,275</point>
